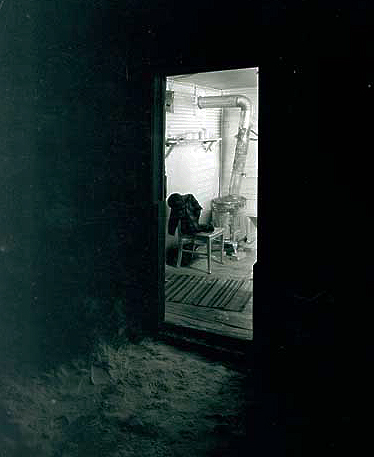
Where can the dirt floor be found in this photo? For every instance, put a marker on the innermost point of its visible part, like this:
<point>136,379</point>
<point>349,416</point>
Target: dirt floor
<point>135,400</point>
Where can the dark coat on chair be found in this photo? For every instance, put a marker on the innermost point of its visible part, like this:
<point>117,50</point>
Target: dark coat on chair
<point>186,209</point>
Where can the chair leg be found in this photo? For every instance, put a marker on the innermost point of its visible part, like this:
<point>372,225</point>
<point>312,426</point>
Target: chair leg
<point>222,246</point>
<point>209,248</point>
<point>193,248</point>
<point>180,247</point>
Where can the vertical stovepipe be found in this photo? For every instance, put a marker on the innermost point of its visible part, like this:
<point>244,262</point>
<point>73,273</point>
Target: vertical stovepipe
<point>245,125</point>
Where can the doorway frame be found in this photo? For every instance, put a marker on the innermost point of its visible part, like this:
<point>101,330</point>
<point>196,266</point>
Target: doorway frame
<point>159,189</point>
<point>165,329</point>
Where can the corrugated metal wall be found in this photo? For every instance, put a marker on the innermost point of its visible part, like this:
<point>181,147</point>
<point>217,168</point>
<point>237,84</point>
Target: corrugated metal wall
<point>189,167</point>
<point>187,116</point>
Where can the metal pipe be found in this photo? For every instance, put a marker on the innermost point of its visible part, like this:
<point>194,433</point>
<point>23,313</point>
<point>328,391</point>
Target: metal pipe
<point>245,125</point>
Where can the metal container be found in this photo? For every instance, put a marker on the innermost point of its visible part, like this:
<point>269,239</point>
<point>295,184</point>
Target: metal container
<point>227,212</point>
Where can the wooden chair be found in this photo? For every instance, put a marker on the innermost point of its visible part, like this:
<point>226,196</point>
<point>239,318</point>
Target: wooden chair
<point>200,238</point>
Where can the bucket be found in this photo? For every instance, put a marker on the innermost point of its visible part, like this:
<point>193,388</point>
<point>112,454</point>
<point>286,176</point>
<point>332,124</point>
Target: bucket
<point>227,212</point>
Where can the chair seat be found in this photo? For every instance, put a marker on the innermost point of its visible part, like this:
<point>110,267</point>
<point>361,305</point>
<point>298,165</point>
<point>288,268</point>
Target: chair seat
<point>217,232</point>
<point>206,237</point>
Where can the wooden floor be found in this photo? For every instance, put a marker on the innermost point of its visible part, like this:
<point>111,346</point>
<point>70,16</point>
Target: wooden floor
<point>226,323</point>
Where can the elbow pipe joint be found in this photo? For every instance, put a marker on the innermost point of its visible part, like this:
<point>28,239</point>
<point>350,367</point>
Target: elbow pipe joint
<point>230,101</point>
<point>226,101</point>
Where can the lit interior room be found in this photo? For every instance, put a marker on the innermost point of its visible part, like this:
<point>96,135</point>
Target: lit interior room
<point>211,148</point>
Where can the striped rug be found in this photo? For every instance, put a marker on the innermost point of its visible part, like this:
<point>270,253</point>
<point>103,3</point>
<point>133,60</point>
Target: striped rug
<point>218,293</point>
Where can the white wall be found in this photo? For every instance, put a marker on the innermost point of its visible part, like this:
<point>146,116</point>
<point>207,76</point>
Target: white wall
<point>191,170</point>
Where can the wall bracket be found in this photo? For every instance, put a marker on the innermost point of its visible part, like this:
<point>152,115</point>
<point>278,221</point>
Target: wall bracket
<point>207,143</point>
